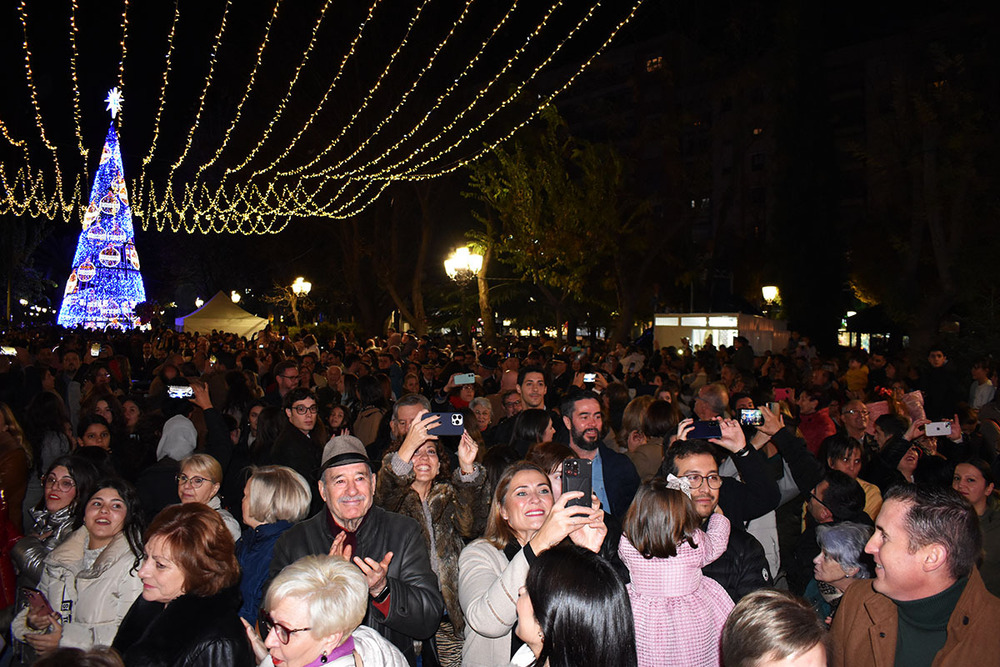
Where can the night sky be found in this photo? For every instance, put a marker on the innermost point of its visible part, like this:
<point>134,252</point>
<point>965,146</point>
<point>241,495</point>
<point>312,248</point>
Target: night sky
<point>179,264</point>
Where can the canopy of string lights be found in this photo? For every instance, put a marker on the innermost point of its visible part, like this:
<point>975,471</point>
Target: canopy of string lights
<point>241,116</point>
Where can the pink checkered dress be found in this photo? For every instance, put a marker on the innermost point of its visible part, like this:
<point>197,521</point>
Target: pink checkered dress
<point>678,612</point>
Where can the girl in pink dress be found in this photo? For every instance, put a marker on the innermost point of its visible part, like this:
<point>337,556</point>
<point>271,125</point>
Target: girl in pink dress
<point>679,613</point>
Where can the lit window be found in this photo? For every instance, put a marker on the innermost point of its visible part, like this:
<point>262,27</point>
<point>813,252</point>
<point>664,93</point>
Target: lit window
<point>654,64</point>
<point>757,131</point>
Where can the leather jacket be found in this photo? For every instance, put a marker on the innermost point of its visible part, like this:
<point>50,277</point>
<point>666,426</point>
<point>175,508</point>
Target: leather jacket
<point>416,605</point>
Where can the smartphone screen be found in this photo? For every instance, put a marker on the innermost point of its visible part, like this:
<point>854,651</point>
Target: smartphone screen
<point>751,417</point>
<point>175,391</point>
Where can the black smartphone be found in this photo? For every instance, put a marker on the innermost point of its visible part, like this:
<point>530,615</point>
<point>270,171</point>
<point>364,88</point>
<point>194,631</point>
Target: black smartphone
<point>576,476</point>
<point>704,430</point>
<point>450,423</point>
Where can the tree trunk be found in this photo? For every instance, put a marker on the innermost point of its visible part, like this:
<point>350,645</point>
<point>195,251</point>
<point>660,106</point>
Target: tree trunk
<point>485,309</point>
<point>426,227</point>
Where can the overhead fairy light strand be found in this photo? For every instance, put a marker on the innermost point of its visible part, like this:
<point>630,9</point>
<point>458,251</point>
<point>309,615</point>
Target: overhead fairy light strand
<point>163,91</point>
<point>33,94</point>
<point>480,95</point>
<point>377,85</point>
<point>333,177</point>
<point>291,84</point>
<point>250,86</point>
<point>548,100</point>
<point>454,85</point>
<point>74,8</point>
<point>204,91</point>
<point>121,63</point>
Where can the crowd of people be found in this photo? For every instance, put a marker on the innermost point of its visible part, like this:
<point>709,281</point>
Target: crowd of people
<point>179,499</point>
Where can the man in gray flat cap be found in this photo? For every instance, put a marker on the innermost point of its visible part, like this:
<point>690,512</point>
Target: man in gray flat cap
<point>404,600</point>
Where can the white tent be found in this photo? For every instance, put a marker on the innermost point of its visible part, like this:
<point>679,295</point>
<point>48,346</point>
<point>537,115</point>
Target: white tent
<point>221,314</point>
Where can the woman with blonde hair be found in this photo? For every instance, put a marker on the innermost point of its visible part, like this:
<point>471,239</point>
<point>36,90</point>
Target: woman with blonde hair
<point>199,482</point>
<point>274,498</point>
<point>314,609</point>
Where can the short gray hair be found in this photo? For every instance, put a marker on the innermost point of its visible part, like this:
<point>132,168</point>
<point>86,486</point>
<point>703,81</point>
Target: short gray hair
<point>480,400</point>
<point>844,543</point>
<point>408,400</point>
<point>278,493</point>
<point>333,591</point>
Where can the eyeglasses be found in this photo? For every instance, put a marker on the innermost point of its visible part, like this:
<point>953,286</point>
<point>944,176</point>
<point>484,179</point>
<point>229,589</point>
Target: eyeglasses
<point>289,377</point>
<point>283,633</point>
<point>714,481</point>
<point>511,404</point>
<point>303,409</point>
<point>856,412</point>
<point>65,484</point>
<point>196,482</point>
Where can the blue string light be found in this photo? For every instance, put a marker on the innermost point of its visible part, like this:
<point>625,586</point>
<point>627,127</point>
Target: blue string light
<point>105,283</point>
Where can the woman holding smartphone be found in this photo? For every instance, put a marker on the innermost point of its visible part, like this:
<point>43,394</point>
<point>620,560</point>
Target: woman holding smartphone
<point>523,522</point>
<point>89,581</point>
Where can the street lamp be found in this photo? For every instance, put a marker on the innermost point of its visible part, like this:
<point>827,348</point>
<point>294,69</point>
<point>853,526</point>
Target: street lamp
<point>463,265</point>
<point>769,292</point>
<point>199,302</point>
<point>300,290</point>
<point>235,296</point>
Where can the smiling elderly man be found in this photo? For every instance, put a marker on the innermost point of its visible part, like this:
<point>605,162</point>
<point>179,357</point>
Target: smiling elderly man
<point>404,601</point>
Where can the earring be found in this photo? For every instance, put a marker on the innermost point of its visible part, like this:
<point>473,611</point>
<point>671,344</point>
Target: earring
<point>323,658</point>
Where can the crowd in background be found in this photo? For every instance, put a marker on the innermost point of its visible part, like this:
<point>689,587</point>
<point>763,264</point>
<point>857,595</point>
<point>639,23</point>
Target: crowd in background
<point>278,465</point>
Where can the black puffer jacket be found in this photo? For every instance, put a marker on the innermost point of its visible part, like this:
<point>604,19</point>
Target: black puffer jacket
<point>742,567</point>
<point>189,632</point>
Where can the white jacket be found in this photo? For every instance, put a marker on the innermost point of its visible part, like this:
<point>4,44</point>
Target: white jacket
<point>487,589</point>
<point>92,601</point>
<point>373,649</point>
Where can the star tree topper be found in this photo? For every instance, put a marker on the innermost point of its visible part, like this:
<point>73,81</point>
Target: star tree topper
<point>114,100</point>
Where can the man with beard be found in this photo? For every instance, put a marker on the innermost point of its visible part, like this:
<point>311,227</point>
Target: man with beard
<point>614,478</point>
<point>742,567</point>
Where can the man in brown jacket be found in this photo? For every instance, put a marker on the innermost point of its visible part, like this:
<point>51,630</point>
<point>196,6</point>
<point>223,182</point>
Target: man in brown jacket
<point>927,604</point>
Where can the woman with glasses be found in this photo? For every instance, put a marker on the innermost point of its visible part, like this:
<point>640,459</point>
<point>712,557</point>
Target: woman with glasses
<point>89,581</point>
<point>199,482</point>
<point>314,609</point>
<point>66,479</point>
<point>187,614</point>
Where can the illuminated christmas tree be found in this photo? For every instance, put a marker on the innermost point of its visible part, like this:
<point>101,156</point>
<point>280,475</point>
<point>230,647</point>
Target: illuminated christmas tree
<point>105,284</point>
